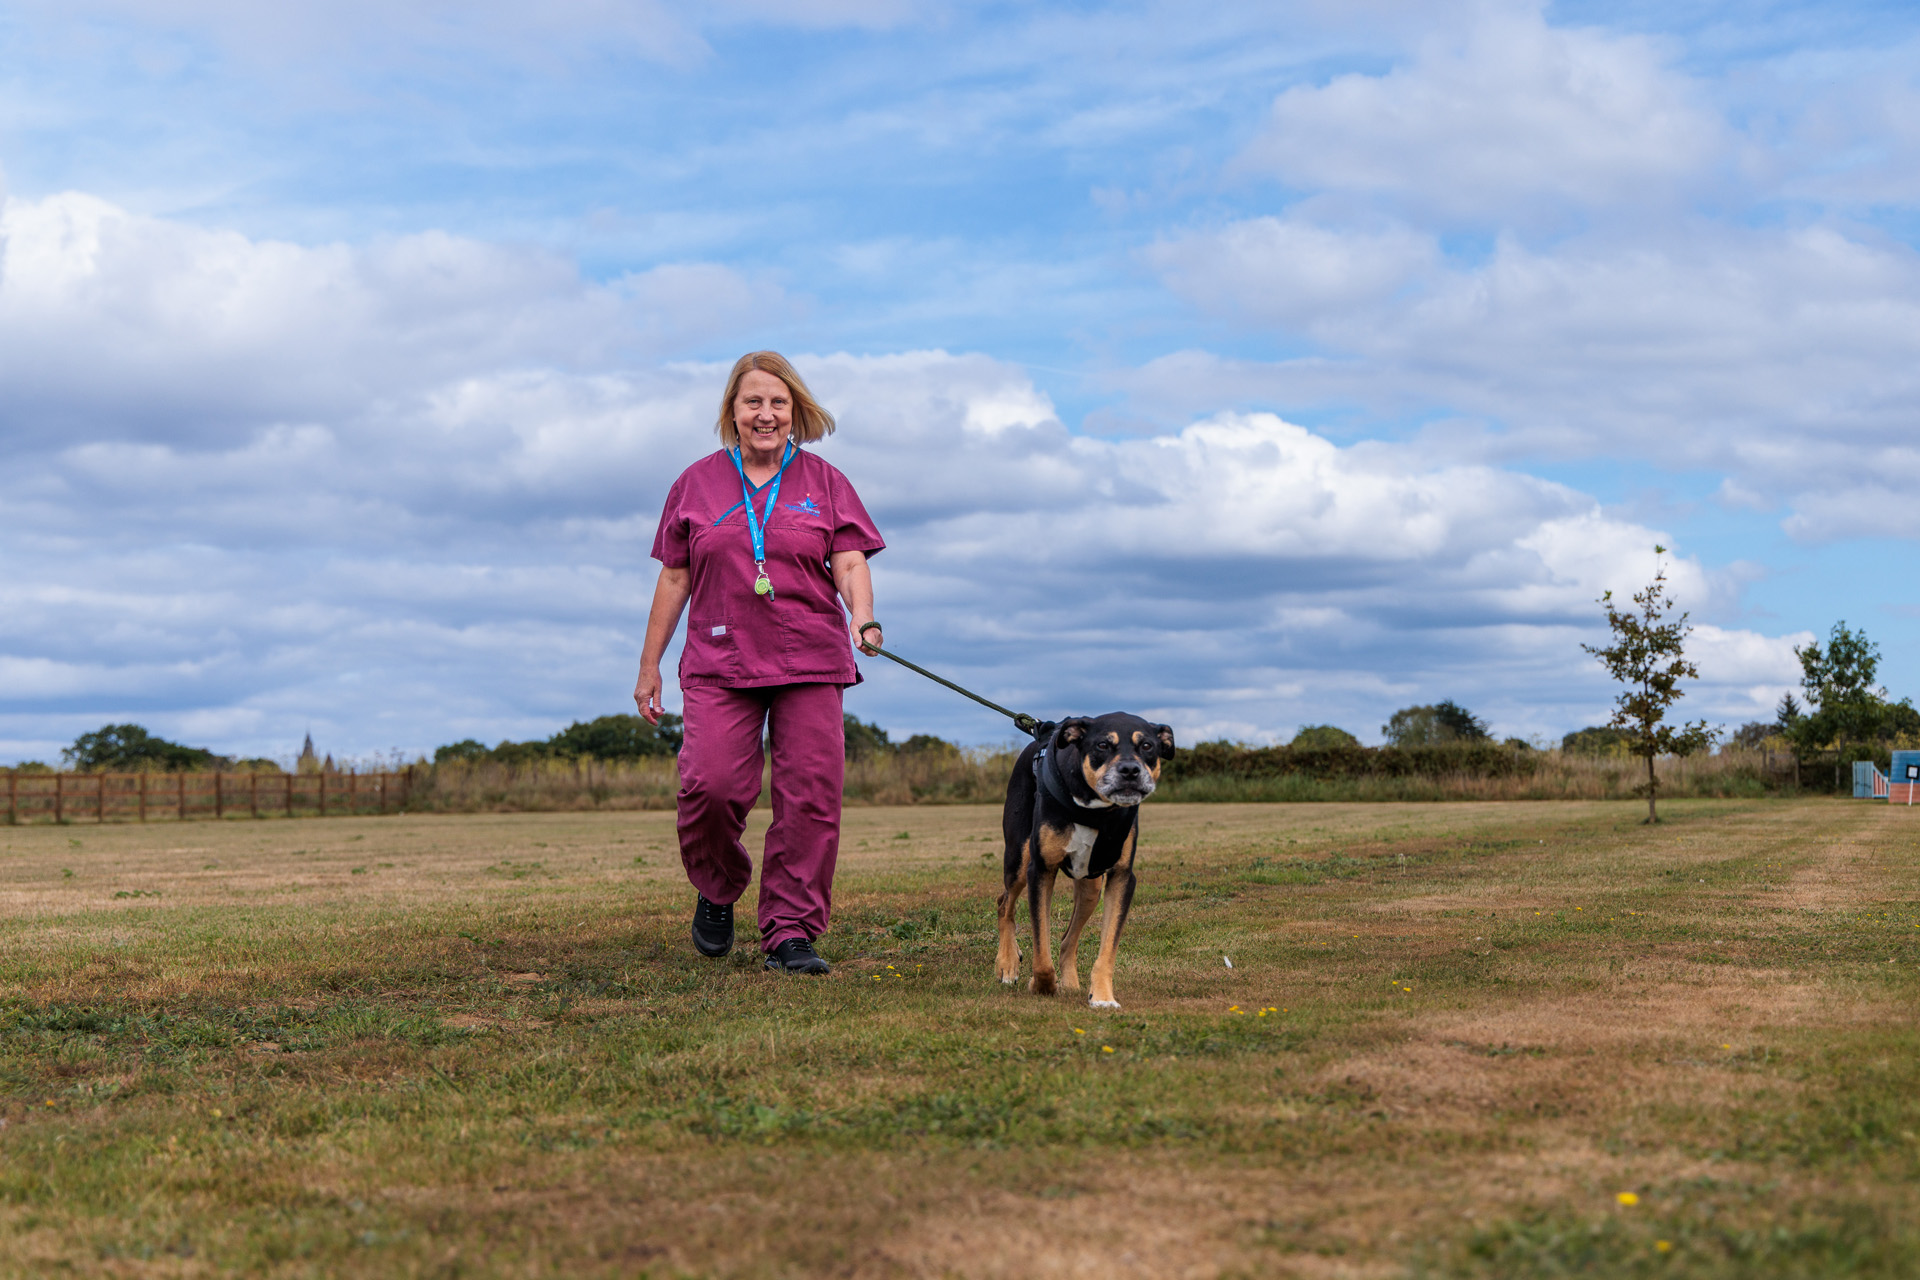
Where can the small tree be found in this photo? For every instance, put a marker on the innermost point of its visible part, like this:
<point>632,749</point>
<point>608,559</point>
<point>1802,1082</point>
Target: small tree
<point>1648,656</point>
<point>1844,705</point>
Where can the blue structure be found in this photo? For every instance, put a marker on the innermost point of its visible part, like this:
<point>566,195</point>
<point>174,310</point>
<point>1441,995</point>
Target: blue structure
<point>1868,782</point>
<point>1905,777</point>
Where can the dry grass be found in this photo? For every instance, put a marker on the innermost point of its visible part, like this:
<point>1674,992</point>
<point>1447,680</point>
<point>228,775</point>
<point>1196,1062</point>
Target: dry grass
<point>481,1045</point>
<point>942,775</point>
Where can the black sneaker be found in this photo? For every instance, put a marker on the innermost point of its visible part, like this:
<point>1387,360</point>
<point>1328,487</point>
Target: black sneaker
<point>795,955</point>
<point>712,927</point>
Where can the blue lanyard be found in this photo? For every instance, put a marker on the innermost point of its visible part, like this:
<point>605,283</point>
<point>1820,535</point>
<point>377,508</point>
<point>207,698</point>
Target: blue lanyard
<point>757,528</point>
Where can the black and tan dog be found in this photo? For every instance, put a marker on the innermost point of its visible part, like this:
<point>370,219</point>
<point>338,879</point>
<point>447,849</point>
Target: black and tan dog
<point>1073,805</point>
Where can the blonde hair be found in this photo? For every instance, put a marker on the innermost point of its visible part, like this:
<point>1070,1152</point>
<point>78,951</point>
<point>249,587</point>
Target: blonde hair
<point>810,421</point>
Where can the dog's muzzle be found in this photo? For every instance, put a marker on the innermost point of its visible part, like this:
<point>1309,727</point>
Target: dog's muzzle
<point>1126,785</point>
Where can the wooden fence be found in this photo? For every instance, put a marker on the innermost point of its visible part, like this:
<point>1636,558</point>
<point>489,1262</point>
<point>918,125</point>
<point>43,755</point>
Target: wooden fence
<point>141,797</point>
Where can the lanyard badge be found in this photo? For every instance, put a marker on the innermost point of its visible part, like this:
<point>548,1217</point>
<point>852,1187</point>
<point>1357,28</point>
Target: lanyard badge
<point>756,527</point>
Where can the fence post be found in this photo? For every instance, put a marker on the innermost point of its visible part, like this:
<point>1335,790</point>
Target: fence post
<point>59,797</point>
<point>219,797</point>
<point>13,798</point>
<point>253,792</point>
<point>289,778</point>
<point>100,797</point>
<point>143,795</point>
<point>406,786</point>
<point>383,791</point>
<point>353,793</point>
<point>180,795</point>
<point>323,793</point>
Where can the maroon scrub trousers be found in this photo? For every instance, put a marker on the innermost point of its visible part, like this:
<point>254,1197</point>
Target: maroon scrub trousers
<point>755,665</point>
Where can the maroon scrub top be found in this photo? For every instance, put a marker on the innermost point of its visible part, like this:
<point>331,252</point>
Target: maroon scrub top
<point>739,640</point>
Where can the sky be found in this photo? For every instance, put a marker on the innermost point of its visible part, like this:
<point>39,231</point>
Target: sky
<point>1245,366</point>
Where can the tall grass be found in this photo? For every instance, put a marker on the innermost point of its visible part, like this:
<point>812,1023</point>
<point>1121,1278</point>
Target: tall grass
<point>1212,772</point>
<point>460,786</point>
<point>979,776</point>
<point>1542,775</point>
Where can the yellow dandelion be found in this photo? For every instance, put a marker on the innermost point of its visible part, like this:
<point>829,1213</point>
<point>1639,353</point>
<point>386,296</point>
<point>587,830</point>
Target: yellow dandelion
<point>1664,1246</point>
<point>216,1113</point>
<point>1726,1046</point>
<point>1628,1199</point>
<point>1077,1031</point>
<point>1106,1048</point>
<point>52,1103</point>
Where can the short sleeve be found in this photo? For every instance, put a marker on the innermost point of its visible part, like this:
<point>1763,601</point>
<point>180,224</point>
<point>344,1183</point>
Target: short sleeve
<point>672,538</point>
<point>853,528</point>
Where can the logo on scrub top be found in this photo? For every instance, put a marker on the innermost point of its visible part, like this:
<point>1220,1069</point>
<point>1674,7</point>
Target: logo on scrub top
<point>806,504</point>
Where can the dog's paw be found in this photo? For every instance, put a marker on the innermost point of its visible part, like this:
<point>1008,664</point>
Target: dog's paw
<point>1104,1004</point>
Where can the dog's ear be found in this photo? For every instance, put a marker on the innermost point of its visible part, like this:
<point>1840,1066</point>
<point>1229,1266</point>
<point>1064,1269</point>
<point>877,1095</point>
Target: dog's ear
<point>1165,733</point>
<point>1071,731</point>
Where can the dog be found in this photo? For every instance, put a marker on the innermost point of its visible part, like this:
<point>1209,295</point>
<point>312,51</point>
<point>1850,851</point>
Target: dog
<point>1073,805</point>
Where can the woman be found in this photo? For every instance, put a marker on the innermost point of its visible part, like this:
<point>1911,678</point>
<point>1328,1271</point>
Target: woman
<point>765,540</point>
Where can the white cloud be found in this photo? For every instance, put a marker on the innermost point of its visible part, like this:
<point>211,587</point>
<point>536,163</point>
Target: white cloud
<point>1289,272</point>
<point>140,326</point>
<point>1501,114</point>
<point>1786,359</point>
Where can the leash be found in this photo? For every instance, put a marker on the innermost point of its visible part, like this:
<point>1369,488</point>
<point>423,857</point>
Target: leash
<point>1021,720</point>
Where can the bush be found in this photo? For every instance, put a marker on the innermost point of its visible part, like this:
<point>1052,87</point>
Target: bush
<point>1315,736</point>
<point>865,739</point>
<point>1431,726</point>
<point>619,738</point>
<point>608,738</point>
<point>1596,740</point>
<point>1232,760</point>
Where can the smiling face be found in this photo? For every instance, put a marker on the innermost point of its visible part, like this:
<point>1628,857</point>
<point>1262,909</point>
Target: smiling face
<point>763,415</point>
<point>1120,755</point>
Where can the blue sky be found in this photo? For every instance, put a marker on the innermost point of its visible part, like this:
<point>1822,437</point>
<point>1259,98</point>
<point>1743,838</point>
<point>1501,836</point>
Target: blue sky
<point>1266,365</point>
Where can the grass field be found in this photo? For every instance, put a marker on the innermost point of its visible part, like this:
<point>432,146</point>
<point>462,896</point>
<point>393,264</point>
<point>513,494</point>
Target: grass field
<point>1456,1040</point>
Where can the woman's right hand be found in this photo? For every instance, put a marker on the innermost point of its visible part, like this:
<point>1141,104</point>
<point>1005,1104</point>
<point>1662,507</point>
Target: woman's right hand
<point>646,694</point>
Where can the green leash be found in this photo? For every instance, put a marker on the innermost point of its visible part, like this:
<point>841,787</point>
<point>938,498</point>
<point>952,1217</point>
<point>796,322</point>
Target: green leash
<point>1021,720</point>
